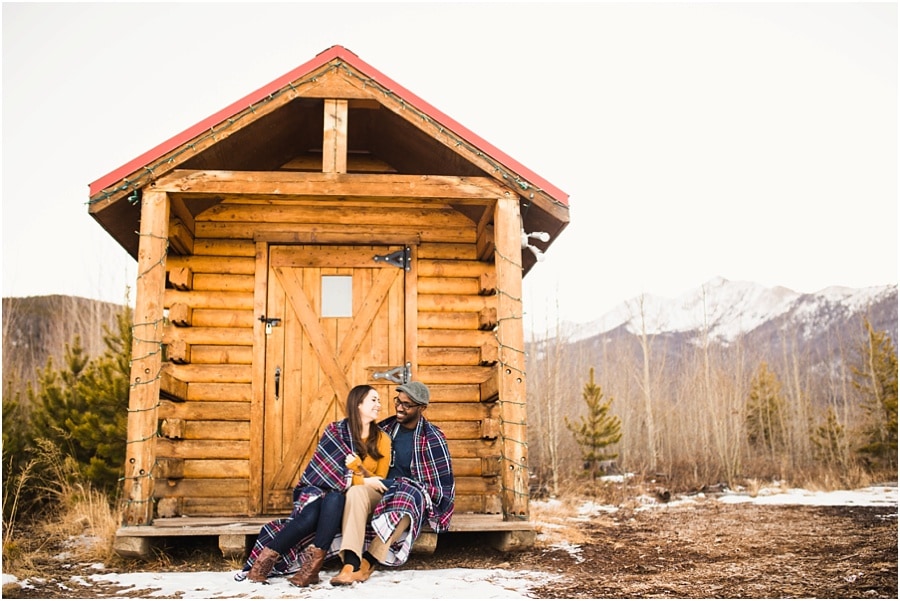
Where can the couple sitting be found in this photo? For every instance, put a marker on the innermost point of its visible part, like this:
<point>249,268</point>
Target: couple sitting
<point>365,494</point>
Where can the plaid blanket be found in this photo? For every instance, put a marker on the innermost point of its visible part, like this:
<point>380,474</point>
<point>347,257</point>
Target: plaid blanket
<point>325,472</point>
<point>428,496</point>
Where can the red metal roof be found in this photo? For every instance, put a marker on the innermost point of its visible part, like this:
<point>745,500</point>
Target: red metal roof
<point>335,52</point>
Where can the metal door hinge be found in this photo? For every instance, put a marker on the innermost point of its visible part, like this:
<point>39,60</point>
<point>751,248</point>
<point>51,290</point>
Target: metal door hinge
<point>398,375</point>
<point>400,258</point>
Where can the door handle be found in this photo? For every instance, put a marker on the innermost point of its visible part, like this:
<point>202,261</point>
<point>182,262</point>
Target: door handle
<point>277,381</point>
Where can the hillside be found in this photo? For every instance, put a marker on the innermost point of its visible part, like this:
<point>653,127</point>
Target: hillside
<point>740,324</point>
<point>727,310</point>
<point>37,328</point>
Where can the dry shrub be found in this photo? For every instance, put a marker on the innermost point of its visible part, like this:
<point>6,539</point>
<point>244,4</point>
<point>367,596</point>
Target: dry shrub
<point>827,478</point>
<point>75,519</point>
<point>88,523</point>
<point>752,486</point>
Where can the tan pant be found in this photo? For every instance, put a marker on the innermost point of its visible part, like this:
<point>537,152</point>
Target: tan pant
<point>361,501</point>
<point>379,549</point>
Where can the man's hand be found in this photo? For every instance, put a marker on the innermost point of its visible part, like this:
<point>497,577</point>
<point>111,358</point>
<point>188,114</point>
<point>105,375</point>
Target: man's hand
<point>375,483</point>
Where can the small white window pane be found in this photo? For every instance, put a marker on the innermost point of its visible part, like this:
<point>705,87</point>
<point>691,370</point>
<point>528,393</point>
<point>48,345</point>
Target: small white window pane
<point>337,296</point>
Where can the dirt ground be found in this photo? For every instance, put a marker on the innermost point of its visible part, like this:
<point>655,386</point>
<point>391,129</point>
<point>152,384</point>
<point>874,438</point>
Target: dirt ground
<point>714,550</point>
<point>696,551</point>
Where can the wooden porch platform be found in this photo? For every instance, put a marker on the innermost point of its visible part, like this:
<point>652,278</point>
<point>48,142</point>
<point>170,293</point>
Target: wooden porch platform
<point>234,534</point>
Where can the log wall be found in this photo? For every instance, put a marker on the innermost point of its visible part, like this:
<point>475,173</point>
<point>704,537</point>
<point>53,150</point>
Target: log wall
<point>204,455</point>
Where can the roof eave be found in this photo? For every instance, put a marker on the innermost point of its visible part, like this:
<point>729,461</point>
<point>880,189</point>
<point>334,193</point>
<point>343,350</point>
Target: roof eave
<point>139,164</point>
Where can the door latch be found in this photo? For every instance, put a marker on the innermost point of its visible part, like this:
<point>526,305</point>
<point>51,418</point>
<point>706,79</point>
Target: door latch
<point>270,322</point>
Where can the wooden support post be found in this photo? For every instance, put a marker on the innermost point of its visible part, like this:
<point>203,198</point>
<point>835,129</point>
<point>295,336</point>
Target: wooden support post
<point>511,366</point>
<point>233,546</point>
<point>334,139</point>
<point>146,358</point>
<point>135,547</point>
<point>425,544</point>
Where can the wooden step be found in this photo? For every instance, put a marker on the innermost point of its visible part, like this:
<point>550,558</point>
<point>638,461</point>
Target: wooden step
<point>136,541</point>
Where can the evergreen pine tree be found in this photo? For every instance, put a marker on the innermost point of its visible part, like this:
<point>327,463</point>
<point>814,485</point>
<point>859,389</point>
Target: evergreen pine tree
<point>596,431</point>
<point>830,441</point>
<point>57,398</point>
<point>82,409</point>
<point>101,430</point>
<point>765,417</point>
<point>15,439</point>
<point>876,380</point>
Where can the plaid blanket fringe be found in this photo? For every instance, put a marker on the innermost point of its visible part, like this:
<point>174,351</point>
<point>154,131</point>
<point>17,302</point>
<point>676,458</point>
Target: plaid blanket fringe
<point>325,472</point>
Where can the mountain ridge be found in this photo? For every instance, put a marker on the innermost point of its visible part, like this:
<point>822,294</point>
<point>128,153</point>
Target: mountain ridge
<point>727,309</point>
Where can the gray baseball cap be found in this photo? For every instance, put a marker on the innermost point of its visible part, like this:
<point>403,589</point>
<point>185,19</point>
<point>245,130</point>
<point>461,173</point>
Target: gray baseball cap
<point>416,391</point>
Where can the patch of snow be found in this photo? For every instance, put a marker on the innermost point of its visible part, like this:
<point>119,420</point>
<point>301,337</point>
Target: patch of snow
<point>574,551</point>
<point>589,509</point>
<point>879,496</point>
<point>437,584</point>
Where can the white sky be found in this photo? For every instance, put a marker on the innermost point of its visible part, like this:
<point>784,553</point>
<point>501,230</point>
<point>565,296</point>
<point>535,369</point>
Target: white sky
<point>499,583</point>
<point>750,141</point>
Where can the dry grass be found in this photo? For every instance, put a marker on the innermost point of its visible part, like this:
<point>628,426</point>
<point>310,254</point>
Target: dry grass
<point>77,521</point>
<point>560,519</point>
<point>555,523</point>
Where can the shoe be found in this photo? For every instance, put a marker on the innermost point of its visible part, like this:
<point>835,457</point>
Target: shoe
<point>344,577</point>
<point>313,558</point>
<point>364,572</point>
<point>264,563</point>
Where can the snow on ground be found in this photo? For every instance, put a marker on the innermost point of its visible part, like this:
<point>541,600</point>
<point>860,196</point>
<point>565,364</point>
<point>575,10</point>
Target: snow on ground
<point>433,584</point>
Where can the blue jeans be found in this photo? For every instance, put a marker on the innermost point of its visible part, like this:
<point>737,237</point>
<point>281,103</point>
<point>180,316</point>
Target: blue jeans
<point>322,516</point>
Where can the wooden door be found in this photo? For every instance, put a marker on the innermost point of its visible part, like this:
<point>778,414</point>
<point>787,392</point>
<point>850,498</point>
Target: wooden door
<point>342,323</point>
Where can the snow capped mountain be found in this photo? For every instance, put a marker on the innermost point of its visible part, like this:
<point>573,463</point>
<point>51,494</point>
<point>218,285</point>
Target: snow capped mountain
<point>725,309</point>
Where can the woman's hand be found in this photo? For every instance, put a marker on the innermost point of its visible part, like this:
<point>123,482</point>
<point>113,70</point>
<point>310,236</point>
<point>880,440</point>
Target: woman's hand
<point>353,462</point>
<point>375,483</point>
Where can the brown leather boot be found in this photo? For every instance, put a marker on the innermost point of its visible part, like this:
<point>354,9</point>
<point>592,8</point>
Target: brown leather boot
<point>263,565</point>
<point>364,572</point>
<point>313,558</point>
<point>345,577</point>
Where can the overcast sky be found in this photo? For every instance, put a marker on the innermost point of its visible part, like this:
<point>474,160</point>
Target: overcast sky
<point>751,141</point>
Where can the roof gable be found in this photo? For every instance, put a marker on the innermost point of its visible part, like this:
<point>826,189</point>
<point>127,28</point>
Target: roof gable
<point>279,127</point>
<point>286,82</point>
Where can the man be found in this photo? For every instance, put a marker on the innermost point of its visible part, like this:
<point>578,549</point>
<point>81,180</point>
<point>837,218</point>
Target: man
<point>420,487</point>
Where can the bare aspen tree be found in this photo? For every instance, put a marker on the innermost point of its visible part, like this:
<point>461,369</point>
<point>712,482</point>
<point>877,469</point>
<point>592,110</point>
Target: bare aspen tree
<point>712,434</point>
<point>545,392</point>
<point>646,341</point>
<point>720,402</point>
<point>536,365</point>
<point>799,450</point>
<point>831,437</point>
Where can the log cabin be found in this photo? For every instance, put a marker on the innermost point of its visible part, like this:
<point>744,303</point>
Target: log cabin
<point>329,229</point>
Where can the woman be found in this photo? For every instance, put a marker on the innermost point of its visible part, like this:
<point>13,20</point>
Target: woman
<point>351,451</point>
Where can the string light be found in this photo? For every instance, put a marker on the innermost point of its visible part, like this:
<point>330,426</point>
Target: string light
<point>137,184</point>
<point>156,348</point>
<point>519,465</point>
<point>294,87</point>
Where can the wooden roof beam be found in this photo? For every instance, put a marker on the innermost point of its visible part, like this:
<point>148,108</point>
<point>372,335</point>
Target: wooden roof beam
<point>335,185</point>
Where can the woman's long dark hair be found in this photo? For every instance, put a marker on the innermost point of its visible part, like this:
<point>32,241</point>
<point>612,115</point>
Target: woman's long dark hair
<point>368,447</point>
